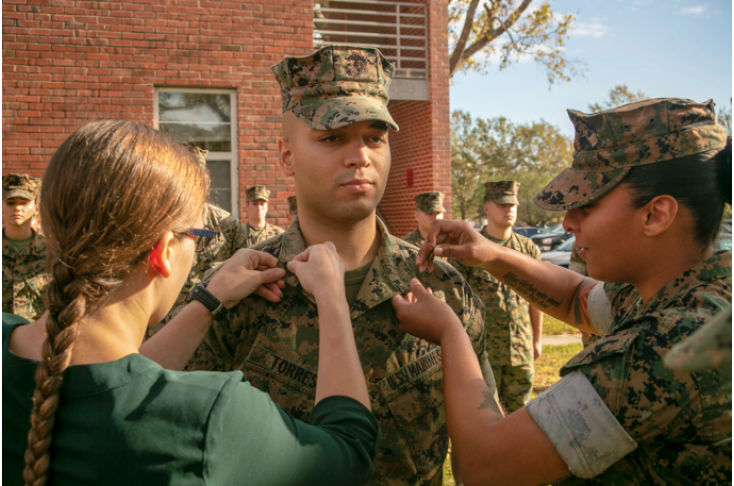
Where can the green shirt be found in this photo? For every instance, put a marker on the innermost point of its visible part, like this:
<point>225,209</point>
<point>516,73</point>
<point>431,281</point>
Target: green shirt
<point>353,280</point>
<point>132,422</point>
<point>19,246</point>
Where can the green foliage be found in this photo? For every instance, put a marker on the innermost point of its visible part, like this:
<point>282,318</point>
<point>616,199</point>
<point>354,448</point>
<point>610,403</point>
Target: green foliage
<point>497,149</point>
<point>619,95</point>
<point>554,327</point>
<point>509,30</point>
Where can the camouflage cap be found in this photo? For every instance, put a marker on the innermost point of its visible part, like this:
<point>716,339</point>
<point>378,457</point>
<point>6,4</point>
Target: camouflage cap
<point>501,192</point>
<point>256,193</point>
<point>292,205</point>
<point>199,153</point>
<point>430,202</point>
<point>609,143</point>
<point>21,185</point>
<point>336,86</point>
<point>709,347</point>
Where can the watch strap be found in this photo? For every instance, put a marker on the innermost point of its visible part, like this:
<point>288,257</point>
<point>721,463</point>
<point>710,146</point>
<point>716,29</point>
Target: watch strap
<point>200,293</point>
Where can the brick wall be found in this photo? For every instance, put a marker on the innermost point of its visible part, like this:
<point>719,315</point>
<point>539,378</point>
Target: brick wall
<point>421,150</point>
<point>67,62</point>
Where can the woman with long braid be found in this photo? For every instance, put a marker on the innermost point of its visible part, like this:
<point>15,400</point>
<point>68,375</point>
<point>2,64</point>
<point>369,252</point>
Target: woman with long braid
<point>121,208</point>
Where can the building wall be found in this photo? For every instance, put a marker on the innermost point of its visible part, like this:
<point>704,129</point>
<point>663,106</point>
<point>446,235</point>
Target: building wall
<point>67,62</point>
<point>421,150</point>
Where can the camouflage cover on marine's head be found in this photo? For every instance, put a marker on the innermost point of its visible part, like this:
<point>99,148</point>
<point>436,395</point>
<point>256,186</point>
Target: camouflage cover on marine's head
<point>199,153</point>
<point>336,86</point>
<point>501,192</point>
<point>609,143</point>
<point>256,193</point>
<point>292,205</point>
<point>430,202</point>
<point>21,185</point>
<point>707,348</point>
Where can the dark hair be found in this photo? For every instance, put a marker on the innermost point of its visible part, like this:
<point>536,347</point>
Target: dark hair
<point>700,182</point>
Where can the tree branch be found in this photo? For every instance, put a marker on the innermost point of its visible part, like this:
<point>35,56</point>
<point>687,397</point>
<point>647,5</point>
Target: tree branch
<point>457,55</point>
<point>489,35</point>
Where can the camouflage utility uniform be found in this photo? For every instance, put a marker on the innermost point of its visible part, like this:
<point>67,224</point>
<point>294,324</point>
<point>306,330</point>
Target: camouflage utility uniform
<point>277,346</point>
<point>414,238</point>
<point>253,236</point>
<point>619,415</point>
<point>25,279</point>
<point>674,427</point>
<point>428,202</point>
<point>508,327</point>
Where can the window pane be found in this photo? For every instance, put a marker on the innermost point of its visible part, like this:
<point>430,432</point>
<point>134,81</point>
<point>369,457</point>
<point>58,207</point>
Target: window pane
<point>214,137</point>
<point>221,192</point>
<point>202,107</point>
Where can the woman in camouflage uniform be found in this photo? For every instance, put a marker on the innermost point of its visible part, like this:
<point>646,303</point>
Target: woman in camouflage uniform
<point>645,196</point>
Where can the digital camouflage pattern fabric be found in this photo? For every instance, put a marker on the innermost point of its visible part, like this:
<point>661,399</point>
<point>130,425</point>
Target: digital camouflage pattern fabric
<point>258,193</point>
<point>707,348</point>
<point>681,421</point>
<point>276,345</point>
<point>507,321</point>
<point>336,86</point>
<point>21,185</point>
<point>25,278</point>
<point>253,236</point>
<point>501,192</point>
<point>430,202</point>
<point>415,238</point>
<point>609,143</point>
<point>514,385</point>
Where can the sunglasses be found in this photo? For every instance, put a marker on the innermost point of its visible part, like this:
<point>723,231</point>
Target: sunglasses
<point>203,237</point>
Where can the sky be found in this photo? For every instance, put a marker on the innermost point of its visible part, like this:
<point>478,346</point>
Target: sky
<point>663,48</point>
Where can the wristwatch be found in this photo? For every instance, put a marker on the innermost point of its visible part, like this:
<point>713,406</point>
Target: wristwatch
<point>199,292</point>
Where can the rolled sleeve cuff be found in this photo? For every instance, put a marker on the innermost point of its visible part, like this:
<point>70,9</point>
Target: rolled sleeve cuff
<point>583,430</point>
<point>600,309</point>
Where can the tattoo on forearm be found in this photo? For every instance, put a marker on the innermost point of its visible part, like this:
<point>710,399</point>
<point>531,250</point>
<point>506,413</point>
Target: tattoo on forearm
<point>489,402</point>
<point>530,292</point>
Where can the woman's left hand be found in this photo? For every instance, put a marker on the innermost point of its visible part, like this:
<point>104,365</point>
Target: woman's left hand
<point>245,273</point>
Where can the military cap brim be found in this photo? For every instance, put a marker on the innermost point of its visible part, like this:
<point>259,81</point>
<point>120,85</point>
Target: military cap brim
<point>21,193</point>
<point>507,200</point>
<point>340,112</point>
<point>575,188</point>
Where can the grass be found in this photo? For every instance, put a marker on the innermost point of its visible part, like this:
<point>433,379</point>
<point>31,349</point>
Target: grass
<point>546,373</point>
<point>554,327</point>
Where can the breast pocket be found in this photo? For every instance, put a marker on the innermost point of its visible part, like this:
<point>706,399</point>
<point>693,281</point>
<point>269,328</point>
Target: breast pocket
<point>414,395</point>
<point>289,384</point>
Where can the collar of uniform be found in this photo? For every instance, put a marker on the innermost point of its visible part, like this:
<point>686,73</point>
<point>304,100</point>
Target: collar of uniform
<point>388,276</point>
<point>36,247</point>
<point>709,270</point>
<point>492,238</point>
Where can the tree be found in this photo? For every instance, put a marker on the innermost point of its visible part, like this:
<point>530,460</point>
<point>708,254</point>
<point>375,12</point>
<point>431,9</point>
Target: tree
<point>724,117</point>
<point>497,149</point>
<point>510,29</point>
<point>619,95</point>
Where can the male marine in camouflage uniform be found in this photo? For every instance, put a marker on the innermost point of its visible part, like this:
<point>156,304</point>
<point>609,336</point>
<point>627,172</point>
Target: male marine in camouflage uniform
<point>24,251</point>
<point>514,327</point>
<point>335,127</point>
<point>428,208</point>
<point>257,228</point>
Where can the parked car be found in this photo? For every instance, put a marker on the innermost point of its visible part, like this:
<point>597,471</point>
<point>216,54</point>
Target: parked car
<point>561,256</point>
<point>722,242</point>
<point>527,231</point>
<point>550,238</point>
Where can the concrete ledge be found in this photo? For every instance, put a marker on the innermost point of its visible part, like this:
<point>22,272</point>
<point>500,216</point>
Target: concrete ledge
<point>409,89</point>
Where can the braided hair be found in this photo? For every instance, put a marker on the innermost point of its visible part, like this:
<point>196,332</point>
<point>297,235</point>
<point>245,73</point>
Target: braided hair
<point>110,191</point>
